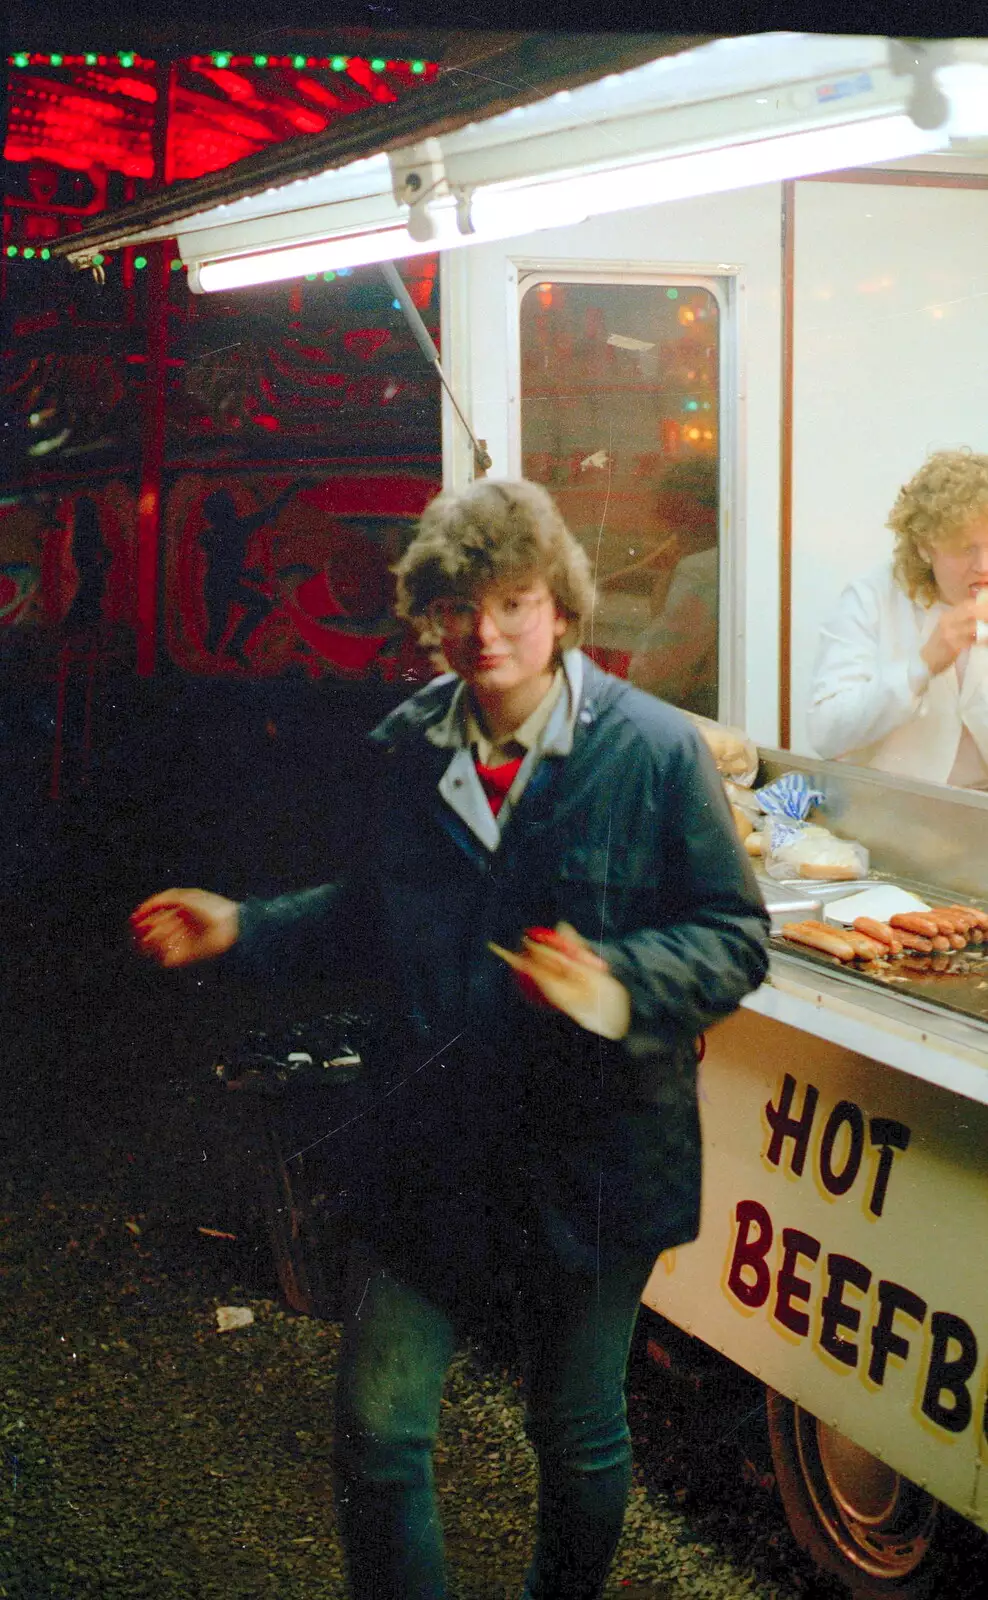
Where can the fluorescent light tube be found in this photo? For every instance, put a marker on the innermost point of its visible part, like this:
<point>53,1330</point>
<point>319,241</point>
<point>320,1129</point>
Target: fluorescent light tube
<point>296,261</point>
<point>502,211</point>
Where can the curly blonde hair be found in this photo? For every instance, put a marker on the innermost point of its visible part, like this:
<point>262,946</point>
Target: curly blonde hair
<point>936,506</point>
<point>489,531</point>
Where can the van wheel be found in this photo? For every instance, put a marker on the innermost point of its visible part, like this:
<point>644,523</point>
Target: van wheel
<point>305,1250</point>
<point>853,1515</point>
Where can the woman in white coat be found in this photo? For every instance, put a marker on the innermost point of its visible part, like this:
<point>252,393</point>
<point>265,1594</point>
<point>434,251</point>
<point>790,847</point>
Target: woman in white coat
<point>901,676</point>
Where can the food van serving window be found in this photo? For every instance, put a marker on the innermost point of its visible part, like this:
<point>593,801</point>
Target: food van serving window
<point>620,419</point>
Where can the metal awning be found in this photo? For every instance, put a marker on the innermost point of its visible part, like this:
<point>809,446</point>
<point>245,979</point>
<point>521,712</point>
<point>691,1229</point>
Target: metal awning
<point>552,130</point>
<point>527,69</point>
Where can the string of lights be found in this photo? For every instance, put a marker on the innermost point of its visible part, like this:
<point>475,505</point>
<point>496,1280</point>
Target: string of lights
<point>24,59</point>
<point>29,252</point>
<point>94,111</point>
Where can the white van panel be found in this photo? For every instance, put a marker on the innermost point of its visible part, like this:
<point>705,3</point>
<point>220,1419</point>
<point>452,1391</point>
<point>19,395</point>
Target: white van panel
<point>891,340</point>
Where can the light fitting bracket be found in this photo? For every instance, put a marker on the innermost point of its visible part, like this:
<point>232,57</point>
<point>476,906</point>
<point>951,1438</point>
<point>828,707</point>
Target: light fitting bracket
<point>418,176</point>
<point>928,106</point>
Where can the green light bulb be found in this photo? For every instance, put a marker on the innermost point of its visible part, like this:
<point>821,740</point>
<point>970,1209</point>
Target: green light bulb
<point>46,254</point>
<point>91,60</point>
<point>418,66</point>
<point>222,60</point>
<point>12,249</point>
<point>140,261</point>
<point>28,253</point>
<point>298,61</point>
<point>98,259</point>
<point>21,60</point>
<point>338,63</point>
<point>378,65</point>
<point>260,61</point>
<point>56,61</point>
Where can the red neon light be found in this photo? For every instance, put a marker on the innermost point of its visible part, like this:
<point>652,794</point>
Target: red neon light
<point>359,70</point>
<point>134,88</point>
<point>243,91</point>
<point>103,113</point>
<point>315,91</point>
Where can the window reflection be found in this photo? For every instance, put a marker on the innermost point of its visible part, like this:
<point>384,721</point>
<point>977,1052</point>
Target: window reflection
<point>619,419</point>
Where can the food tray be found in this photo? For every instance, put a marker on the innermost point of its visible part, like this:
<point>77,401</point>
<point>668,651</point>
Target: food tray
<point>957,983</point>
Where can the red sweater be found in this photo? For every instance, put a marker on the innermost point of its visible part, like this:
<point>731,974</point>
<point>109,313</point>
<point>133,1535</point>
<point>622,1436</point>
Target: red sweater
<point>496,781</point>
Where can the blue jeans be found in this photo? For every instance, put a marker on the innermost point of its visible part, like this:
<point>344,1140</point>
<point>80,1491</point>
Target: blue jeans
<point>574,1334</point>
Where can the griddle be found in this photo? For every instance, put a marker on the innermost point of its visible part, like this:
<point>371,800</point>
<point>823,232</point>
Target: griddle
<point>959,984</point>
<point>961,987</point>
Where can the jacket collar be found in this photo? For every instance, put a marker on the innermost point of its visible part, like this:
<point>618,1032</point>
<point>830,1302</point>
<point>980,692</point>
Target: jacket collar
<point>450,732</point>
<point>435,713</point>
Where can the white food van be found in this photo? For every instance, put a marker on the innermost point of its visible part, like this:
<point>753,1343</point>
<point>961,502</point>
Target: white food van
<point>758,264</point>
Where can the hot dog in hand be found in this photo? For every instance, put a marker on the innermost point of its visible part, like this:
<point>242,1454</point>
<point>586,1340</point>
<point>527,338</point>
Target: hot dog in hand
<point>556,967</point>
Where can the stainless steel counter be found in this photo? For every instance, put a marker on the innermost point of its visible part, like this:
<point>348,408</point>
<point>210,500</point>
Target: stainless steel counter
<point>932,841</point>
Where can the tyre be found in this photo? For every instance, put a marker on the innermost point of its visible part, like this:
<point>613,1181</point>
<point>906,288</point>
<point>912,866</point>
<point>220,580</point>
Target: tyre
<point>306,1248</point>
<point>852,1513</point>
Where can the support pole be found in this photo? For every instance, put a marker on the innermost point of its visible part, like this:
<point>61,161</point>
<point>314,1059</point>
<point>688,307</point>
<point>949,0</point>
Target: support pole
<point>153,433</point>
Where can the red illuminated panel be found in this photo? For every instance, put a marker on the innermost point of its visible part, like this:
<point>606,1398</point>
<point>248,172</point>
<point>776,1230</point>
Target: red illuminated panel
<point>78,112</point>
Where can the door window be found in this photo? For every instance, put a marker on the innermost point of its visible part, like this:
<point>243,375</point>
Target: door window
<point>620,421</point>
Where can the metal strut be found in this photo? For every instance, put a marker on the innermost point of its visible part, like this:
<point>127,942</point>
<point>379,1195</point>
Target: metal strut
<point>481,460</point>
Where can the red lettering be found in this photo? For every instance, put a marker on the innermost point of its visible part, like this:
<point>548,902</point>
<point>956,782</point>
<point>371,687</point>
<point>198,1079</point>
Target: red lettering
<point>892,1297</point>
<point>887,1136</point>
<point>750,1253</point>
<point>834,1311</point>
<point>789,1287</point>
<point>950,1376</point>
<point>785,1126</point>
<point>844,1112</point>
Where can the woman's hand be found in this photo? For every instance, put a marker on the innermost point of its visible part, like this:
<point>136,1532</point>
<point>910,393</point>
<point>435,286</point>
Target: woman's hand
<point>558,968</point>
<point>956,631</point>
<point>180,926</point>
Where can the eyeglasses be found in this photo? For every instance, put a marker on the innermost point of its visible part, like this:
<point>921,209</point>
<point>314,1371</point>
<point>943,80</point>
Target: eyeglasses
<point>511,614</point>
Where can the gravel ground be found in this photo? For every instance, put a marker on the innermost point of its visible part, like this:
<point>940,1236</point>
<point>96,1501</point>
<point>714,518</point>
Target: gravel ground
<point>145,1453</point>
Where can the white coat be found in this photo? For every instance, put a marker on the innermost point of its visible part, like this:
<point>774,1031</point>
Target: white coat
<point>864,707</point>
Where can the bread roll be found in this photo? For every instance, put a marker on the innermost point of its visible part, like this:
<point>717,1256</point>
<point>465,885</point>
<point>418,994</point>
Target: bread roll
<point>827,872</point>
<point>742,822</point>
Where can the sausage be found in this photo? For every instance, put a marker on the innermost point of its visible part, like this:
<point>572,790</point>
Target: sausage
<point>980,917</point>
<point>880,931</point>
<point>949,921</point>
<point>962,919</point>
<point>915,922</point>
<point>975,922</point>
<point>865,949</point>
<point>831,944</point>
<point>914,941</point>
<point>942,942</point>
